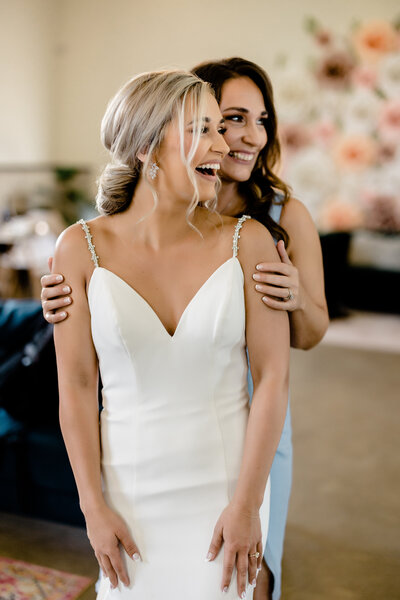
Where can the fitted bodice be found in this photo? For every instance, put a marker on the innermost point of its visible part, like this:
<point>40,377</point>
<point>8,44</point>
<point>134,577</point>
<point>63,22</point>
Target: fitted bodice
<point>126,330</point>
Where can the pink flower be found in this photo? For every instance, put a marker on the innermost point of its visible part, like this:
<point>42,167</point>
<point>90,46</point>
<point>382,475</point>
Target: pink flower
<point>339,215</point>
<point>374,39</point>
<point>335,69</point>
<point>354,152</point>
<point>385,151</point>
<point>294,136</point>
<point>364,75</point>
<point>389,122</point>
<point>324,131</point>
<point>323,37</point>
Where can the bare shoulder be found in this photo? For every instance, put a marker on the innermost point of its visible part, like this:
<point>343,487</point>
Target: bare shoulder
<point>72,254</point>
<point>304,244</point>
<point>295,217</point>
<point>255,245</point>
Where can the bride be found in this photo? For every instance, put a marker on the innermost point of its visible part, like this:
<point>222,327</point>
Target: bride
<point>164,306</point>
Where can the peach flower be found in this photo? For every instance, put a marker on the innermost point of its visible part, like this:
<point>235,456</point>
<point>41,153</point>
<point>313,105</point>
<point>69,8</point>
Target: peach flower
<point>354,152</point>
<point>375,39</point>
<point>339,215</point>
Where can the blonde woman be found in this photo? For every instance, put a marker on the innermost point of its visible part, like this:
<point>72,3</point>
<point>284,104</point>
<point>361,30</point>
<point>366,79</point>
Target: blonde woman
<point>164,304</point>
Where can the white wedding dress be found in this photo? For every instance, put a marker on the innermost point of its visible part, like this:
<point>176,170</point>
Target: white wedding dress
<point>172,427</point>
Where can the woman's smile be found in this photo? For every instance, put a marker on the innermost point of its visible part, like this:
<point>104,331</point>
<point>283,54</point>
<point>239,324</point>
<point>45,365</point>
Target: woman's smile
<point>208,170</point>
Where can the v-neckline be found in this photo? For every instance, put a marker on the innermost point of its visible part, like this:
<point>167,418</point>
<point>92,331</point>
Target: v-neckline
<point>136,293</point>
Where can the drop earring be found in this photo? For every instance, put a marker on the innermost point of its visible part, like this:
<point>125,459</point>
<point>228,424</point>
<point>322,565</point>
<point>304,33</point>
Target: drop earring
<point>153,170</point>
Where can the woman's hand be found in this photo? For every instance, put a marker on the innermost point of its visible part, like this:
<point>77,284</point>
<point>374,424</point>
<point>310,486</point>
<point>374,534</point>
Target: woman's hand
<point>239,530</point>
<point>107,532</point>
<point>279,282</point>
<point>54,296</point>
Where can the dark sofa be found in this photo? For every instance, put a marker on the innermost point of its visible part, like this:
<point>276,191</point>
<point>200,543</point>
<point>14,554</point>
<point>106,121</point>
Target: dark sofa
<point>35,476</point>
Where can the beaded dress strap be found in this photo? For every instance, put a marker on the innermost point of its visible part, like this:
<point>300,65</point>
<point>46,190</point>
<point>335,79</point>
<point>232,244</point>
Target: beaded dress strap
<point>236,235</point>
<point>91,246</point>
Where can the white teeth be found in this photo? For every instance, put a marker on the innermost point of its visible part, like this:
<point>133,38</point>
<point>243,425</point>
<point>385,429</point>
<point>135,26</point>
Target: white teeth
<point>242,156</point>
<point>214,166</point>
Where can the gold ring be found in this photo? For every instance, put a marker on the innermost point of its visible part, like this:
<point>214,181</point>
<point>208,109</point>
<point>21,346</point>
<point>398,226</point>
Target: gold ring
<point>254,555</point>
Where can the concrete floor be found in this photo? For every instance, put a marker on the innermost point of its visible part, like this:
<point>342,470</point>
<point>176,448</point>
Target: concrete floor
<point>343,534</point>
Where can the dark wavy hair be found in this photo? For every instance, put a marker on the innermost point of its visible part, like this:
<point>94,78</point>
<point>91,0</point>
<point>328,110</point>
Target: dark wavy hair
<point>264,187</point>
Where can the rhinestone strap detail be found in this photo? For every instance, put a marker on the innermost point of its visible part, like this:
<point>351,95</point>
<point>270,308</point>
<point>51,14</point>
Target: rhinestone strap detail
<point>91,246</point>
<point>236,235</point>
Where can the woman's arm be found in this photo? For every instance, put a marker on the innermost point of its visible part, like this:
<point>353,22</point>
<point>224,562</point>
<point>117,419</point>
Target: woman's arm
<point>302,273</point>
<point>269,363</point>
<point>79,414</point>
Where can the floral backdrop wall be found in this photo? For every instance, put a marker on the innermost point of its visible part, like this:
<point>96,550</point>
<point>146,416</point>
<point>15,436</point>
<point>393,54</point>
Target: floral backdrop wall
<point>340,126</point>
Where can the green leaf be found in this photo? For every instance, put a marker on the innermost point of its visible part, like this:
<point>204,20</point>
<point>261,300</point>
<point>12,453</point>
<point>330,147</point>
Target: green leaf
<point>311,25</point>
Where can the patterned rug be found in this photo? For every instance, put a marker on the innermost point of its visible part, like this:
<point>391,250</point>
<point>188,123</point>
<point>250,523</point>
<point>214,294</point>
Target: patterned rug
<point>24,581</point>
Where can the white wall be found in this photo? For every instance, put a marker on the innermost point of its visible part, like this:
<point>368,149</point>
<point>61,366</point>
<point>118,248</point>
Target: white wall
<point>61,60</point>
<point>26,101</point>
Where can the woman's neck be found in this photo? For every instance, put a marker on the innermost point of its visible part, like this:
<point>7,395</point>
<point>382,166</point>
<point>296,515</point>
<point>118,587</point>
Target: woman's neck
<point>230,201</point>
<point>157,226</point>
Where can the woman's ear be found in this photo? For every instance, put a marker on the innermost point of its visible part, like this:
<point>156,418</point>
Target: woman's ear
<point>142,156</point>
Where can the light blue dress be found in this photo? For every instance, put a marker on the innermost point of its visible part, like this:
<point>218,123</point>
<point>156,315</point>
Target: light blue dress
<point>281,483</point>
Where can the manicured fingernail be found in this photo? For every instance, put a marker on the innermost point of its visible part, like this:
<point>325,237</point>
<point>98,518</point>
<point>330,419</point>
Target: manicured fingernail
<point>62,314</point>
<point>67,300</point>
<point>209,556</point>
<point>47,315</point>
<point>66,289</point>
<point>264,298</point>
<point>254,583</point>
<point>243,596</point>
<point>59,278</point>
<point>258,267</point>
<point>225,590</point>
<point>136,557</point>
<point>258,287</point>
<point>256,276</point>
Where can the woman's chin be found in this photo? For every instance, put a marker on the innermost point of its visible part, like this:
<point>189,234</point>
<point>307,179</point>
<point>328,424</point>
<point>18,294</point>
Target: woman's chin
<point>239,175</point>
<point>207,193</point>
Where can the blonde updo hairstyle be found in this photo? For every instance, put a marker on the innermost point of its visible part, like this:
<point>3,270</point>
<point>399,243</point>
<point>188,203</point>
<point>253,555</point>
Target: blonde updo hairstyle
<point>135,122</point>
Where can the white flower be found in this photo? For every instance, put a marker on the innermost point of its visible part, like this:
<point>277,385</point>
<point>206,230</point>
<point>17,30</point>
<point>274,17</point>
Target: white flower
<point>384,179</point>
<point>389,75</point>
<point>361,112</point>
<point>312,175</point>
<point>331,103</point>
<point>295,95</point>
